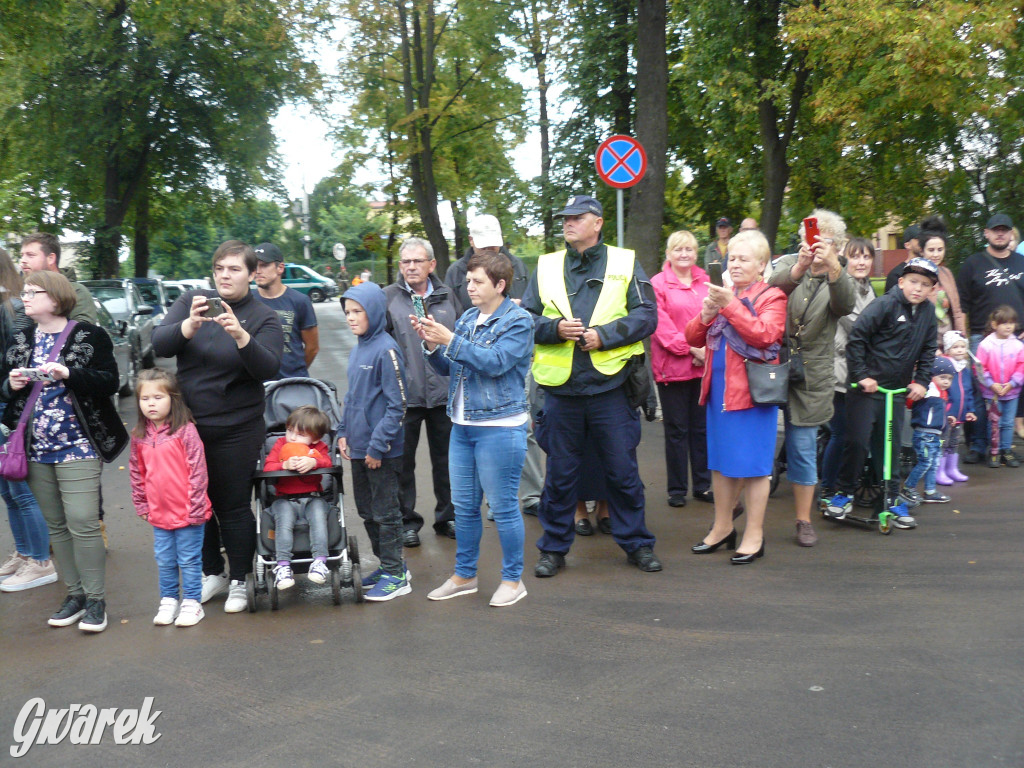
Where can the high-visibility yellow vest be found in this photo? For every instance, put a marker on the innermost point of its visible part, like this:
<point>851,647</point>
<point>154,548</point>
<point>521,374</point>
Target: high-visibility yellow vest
<point>552,363</point>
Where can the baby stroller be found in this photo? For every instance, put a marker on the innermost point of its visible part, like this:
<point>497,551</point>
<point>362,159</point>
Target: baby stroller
<point>283,397</point>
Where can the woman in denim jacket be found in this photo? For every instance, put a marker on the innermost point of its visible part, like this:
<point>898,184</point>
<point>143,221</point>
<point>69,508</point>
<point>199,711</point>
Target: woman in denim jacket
<point>486,358</point>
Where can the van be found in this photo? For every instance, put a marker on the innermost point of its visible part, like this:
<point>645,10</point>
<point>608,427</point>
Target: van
<point>305,280</point>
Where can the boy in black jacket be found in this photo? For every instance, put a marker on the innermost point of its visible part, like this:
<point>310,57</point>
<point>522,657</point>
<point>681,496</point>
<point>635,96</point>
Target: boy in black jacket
<point>892,345</point>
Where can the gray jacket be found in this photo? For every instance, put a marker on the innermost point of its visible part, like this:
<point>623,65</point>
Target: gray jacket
<point>810,402</point>
<point>424,387</point>
<point>865,295</point>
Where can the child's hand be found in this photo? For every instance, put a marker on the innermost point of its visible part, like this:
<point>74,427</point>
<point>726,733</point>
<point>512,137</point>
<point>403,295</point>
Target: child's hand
<point>372,463</point>
<point>303,464</point>
<point>970,417</point>
<point>343,447</point>
<point>952,420</point>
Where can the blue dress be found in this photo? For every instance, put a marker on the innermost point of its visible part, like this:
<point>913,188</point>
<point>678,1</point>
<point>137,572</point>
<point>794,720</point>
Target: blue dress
<point>740,443</point>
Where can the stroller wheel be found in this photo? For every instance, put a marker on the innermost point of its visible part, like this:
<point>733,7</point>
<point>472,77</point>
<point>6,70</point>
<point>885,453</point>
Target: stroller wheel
<point>250,592</point>
<point>357,585</point>
<point>336,586</point>
<point>272,591</point>
<point>353,550</point>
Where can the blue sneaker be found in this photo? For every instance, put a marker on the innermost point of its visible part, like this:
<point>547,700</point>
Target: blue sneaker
<point>839,507</point>
<point>389,587</point>
<point>902,517</point>
<point>374,577</point>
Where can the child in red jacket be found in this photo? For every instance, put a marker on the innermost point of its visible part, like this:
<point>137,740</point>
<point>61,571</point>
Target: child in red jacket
<point>166,448</point>
<point>300,450</point>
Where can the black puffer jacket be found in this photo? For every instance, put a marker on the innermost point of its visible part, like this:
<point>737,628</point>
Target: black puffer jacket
<point>893,342</point>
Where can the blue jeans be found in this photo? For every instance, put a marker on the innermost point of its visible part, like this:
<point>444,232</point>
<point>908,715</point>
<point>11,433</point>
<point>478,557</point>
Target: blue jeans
<point>1007,413</point>
<point>31,536</point>
<point>487,460</point>
<point>834,449</point>
<point>801,454</point>
<point>928,448</point>
<point>286,512</point>
<point>180,550</point>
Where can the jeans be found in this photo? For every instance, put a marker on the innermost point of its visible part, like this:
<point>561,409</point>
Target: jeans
<point>801,454</point>
<point>232,454</point>
<point>69,496</point>
<point>31,539</point>
<point>376,495</point>
<point>834,449</point>
<point>686,438</point>
<point>928,447</point>
<point>180,550</point>
<point>286,512</point>
<point>487,460</point>
<point>1001,431</point>
<point>439,427</point>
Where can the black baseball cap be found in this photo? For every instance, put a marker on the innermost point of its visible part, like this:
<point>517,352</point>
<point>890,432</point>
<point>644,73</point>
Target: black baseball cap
<point>910,233</point>
<point>723,222</point>
<point>999,220</point>
<point>268,252</point>
<point>580,204</point>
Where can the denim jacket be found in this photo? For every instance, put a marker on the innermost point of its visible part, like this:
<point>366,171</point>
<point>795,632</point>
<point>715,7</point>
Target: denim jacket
<point>491,362</point>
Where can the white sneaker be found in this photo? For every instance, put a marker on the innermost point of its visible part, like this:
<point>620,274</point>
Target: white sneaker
<point>166,612</point>
<point>11,565</point>
<point>283,576</point>
<point>191,614</point>
<point>318,572</point>
<point>32,573</point>
<point>213,586</point>
<point>237,601</point>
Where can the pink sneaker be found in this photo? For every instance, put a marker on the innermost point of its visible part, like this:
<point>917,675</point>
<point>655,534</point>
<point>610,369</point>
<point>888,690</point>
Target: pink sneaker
<point>32,573</point>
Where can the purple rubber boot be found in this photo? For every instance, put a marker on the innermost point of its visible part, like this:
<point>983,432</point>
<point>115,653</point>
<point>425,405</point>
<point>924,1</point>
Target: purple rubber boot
<point>942,473</point>
<point>953,471</point>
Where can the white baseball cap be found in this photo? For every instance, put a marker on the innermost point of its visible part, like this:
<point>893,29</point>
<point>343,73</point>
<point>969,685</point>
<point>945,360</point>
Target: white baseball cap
<point>486,232</point>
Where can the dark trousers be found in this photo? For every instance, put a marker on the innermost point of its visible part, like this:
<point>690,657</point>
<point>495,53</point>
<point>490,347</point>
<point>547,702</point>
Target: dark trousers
<point>686,438</point>
<point>564,428</point>
<point>376,495</point>
<point>232,455</point>
<point>865,429</point>
<point>836,442</point>
<point>439,430</point>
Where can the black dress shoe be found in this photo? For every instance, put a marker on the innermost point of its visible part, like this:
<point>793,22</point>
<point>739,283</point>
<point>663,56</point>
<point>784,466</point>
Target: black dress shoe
<point>706,549</point>
<point>707,496</point>
<point>604,525</point>
<point>748,559</point>
<point>644,559</point>
<point>548,564</point>
<point>584,527</point>
<point>677,501</point>
<point>446,529</point>
<point>410,539</point>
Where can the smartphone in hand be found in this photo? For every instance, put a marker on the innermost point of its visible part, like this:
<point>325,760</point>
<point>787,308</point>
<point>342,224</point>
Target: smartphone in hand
<point>811,232</point>
<point>214,306</point>
<point>715,273</point>
<point>35,374</point>
<point>417,306</point>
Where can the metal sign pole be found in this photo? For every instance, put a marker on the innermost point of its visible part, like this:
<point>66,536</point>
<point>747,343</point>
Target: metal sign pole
<point>619,206</point>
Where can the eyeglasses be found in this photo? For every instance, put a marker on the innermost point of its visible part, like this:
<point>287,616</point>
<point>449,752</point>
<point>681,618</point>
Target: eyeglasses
<point>410,262</point>
<point>30,293</point>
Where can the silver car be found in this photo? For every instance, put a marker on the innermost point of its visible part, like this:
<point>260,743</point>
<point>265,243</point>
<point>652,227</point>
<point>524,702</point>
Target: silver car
<point>122,300</point>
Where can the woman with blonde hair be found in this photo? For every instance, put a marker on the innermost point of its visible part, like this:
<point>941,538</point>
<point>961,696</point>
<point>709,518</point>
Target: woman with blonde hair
<point>746,322</point>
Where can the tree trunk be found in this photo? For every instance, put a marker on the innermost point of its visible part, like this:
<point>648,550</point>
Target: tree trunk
<point>141,248</point>
<point>539,54</point>
<point>461,235</point>
<point>647,201</point>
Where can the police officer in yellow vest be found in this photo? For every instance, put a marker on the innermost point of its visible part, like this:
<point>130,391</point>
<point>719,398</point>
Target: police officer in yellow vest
<point>594,306</point>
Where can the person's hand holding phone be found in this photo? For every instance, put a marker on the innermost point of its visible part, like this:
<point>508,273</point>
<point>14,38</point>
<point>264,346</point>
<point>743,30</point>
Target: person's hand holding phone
<point>229,322</point>
<point>720,295</point>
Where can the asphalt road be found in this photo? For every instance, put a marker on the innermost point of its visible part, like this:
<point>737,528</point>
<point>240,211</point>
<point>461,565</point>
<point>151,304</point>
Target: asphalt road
<point>867,650</point>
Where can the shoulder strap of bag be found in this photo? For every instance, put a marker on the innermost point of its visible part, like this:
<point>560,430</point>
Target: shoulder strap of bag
<point>37,387</point>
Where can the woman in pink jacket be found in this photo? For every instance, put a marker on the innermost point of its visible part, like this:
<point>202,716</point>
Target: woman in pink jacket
<point>680,289</point>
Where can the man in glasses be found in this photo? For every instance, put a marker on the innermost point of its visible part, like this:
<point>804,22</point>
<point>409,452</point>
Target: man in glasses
<point>40,252</point>
<point>426,391</point>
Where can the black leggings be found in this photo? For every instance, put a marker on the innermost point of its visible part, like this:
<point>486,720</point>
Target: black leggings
<point>231,457</point>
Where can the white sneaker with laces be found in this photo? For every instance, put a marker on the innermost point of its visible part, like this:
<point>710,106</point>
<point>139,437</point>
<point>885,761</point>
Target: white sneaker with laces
<point>191,613</point>
<point>283,576</point>
<point>166,612</point>
<point>237,601</point>
<point>213,585</point>
<point>318,572</point>
<point>11,565</point>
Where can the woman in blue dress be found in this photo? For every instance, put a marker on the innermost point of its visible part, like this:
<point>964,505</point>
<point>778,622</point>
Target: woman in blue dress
<point>745,322</point>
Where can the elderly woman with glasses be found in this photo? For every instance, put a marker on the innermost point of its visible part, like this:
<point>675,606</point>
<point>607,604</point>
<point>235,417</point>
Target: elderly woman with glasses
<point>73,428</point>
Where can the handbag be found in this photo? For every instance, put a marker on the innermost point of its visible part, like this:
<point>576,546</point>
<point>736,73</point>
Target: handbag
<point>768,383</point>
<point>13,456</point>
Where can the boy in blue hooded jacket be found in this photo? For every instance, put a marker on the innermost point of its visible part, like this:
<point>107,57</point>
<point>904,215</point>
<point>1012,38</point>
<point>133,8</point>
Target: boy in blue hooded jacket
<point>372,437</point>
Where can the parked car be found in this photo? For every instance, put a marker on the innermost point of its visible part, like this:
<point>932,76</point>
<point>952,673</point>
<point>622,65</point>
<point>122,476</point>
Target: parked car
<point>313,284</point>
<point>118,332</point>
<point>152,291</point>
<point>123,301</point>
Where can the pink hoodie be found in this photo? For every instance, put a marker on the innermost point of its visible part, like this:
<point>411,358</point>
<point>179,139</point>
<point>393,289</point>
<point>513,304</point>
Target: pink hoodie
<point>678,303</point>
<point>1002,361</point>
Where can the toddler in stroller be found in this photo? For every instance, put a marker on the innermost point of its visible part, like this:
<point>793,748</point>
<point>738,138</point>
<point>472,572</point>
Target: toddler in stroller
<point>298,498</point>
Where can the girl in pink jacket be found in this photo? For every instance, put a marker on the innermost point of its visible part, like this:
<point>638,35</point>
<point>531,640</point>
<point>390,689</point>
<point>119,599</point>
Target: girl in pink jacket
<point>1001,356</point>
<point>169,482</point>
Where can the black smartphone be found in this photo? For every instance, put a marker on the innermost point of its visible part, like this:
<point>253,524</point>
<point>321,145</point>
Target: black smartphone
<point>715,273</point>
<point>214,306</point>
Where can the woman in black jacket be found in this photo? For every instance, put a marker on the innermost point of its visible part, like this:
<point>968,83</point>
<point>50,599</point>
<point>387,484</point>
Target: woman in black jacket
<point>74,427</point>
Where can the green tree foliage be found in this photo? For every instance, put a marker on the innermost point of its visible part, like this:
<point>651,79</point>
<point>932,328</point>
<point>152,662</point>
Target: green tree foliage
<point>104,98</point>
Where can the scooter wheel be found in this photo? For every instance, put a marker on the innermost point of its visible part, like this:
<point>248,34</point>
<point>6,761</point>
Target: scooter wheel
<point>885,523</point>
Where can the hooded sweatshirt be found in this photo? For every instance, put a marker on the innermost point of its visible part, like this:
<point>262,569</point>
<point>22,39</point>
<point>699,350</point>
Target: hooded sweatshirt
<point>374,410</point>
